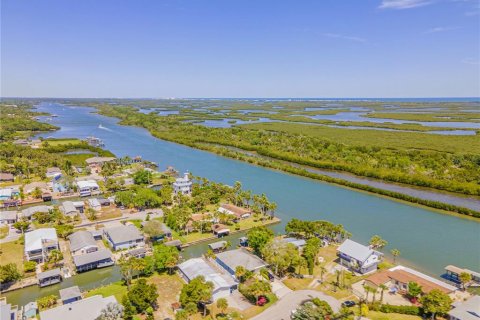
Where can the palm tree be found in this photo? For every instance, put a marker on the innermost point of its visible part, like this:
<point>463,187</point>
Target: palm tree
<point>395,253</point>
<point>382,288</point>
<point>368,289</point>
<point>323,270</point>
<point>240,272</point>
<point>465,278</point>
<point>222,304</point>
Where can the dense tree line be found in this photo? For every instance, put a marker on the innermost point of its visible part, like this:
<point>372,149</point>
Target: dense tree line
<point>447,171</point>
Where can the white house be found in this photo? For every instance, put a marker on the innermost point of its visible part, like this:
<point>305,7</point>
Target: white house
<point>88,188</point>
<point>53,172</point>
<point>223,284</point>
<point>124,237</point>
<point>68,208</point>
<point>357,257</point>
<point>94,204</point>
<point>39,243</point>
<point>82,242</point>
<point>88,308</point>
<point>466,310</point>
<point>8,217</point>
<point>238,212</point>
<point>183,185</point>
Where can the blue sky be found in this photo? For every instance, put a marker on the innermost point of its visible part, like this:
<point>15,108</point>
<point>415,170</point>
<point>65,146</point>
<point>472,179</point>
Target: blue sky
<point>240,48</point>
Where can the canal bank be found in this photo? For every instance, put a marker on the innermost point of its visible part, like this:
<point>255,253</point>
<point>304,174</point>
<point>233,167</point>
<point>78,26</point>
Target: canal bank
<point>427,240</point>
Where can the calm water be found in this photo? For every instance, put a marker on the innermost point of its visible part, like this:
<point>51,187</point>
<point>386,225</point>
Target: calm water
<point>359,116</point>
<point>427,239</point>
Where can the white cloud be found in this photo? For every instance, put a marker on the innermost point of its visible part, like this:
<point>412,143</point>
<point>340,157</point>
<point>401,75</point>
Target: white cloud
<point>439,29</point>
<point>403,4</point>
<point>344,37</point>
<point>471,61</point>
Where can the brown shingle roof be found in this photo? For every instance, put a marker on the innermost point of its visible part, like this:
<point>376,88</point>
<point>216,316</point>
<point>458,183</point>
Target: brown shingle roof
<point>406,277</point>
<point>237,211</point>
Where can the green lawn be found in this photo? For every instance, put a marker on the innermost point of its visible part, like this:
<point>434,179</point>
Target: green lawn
<point>3,231</point>
<point>12,252</point>
<point>375,315</point>
<point>114,289</point>
<point>59,142</point>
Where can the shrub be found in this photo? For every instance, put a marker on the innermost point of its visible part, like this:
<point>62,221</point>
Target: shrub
<point>387,308</point>
<point>29,266</point>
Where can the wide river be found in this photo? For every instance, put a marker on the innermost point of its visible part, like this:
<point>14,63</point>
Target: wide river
<point>428,240</point>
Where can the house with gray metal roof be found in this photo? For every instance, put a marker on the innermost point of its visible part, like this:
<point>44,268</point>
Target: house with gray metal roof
<point>8,217</point>
<point>88,308</point>
<point>68,208</point>
<point>231,259</point>
<point>124,237</point>
<point>93,260</point>
<point>466,310</point>
<point>29,212</point>
<point>82,242</point>
<point>357,257</point>
<point>70,294</point>
<point>38,244</point>
<point>223,283</point>
<point>49,277</point>
<point>7,311</point>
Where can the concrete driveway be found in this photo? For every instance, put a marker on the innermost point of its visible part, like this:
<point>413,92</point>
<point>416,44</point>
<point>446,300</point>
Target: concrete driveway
<point>282,309</point>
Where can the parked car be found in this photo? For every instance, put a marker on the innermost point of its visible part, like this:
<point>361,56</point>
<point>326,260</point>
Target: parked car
<point>348,303</point>
<point>298,276</point>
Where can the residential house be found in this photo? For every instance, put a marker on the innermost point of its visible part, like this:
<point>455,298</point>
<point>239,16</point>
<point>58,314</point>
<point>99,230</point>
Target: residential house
<point>29,188</point>
<point>9,193</point>
<point>30,211</point>
<point>6,177</point>
<point>124,237</point>
<point>88,308</point>
<point>298,243</point>
<point>397,279</point>
<point>104,202</point>
<point>82,242</point>
<point>88,188</point>
<point>8,217</point>
<point>94,204</point>
<point>53,172</point>
<point>183,185</point>
<point>7,311</point>
<point>79,206</point>
<point>93,260</point>
<point>39,243</point>
<point>238,212</point>
<point>164,232</point>
<point>198,219</point>
<point>49,277</point>
<point>466,310</point>
<point>95,163</point>
<point>137,253</point>
<point>68,208</point>
<point>223,284</point>
<point>70,294</point>
<point>357,257</point>
<point>231,259</point>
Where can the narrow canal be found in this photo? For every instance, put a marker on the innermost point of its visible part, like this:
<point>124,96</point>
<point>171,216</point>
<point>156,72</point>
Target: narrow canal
<point>428,240</point>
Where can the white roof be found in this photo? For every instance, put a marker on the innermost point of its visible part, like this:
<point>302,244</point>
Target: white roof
<point>87,184</point>
<point>6,192</point>
<point>8,215</point>
<point>31,210</point>
<point>68,207</point>
<point>195,267</point>
<point>467,310</point>
<point>33,239</point>
<point>93,202</point>
<point>355,250</point>
<point>88,308</point>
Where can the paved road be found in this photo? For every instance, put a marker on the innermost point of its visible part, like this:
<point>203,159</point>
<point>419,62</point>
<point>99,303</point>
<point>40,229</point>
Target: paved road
<point>281,309</point>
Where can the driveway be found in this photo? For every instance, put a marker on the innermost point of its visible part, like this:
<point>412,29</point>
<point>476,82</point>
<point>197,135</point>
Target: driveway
<point>282,309</point>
